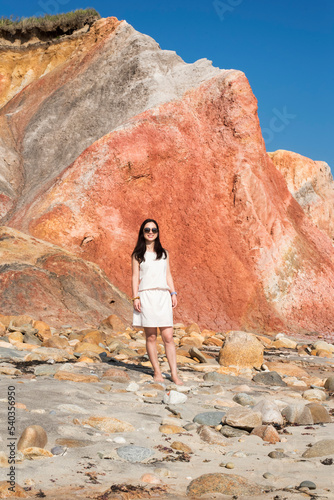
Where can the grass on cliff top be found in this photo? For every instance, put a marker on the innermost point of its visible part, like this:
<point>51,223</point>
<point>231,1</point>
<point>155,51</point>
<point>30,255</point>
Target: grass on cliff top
<point>68,21</point>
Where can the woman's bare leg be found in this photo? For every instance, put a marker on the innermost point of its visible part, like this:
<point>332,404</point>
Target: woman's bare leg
<point>151,347</point>
<point>167,337</point>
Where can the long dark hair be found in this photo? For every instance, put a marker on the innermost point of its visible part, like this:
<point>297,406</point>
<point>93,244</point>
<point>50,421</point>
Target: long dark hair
<point>140,247</point>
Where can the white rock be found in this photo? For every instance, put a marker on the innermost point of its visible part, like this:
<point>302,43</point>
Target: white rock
<point>174,398</point>
<point>269,411</point>
<point>314,395</point>
<point>133,387</point>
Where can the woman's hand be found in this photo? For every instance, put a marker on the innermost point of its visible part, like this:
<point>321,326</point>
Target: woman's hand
<point>174,300</point>
<point>136,305</point>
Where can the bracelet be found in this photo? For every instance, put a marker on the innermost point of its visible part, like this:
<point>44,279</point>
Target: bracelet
<point>173,293</point>
<point>135,298</point>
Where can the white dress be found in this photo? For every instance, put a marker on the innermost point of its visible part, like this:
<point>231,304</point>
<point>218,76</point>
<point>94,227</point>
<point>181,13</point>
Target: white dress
<point>154,293</point>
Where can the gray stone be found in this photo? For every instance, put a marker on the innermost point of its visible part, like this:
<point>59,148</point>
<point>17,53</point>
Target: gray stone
<point>269,411</point>
<point>329,384</point>
<point>12,354</point>
<point>297,414</point>
<point>212,418</point>
<point>58,450</point>
<point>45,370</point>
<point>269,378</point>
<point>225,379</point>
<point>277,454</point>
<point>134,454</point>
<point>244,399</point>
<point>30,338</point>
<point>320,449</point>
<point>230,432</point>
<point>307,484</point>
<point>197,354</point>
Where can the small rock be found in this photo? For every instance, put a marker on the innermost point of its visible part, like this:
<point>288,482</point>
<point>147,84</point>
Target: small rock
<point>320,448</point>
<point>58,450</point>
<point>18,492</point>
<point>269,411</point>
<point>224,379</point>
<point>244,399</point>
<point>196,354</point>
<point>229,465</point>
<point>307,484</point>
<point>34,453</point>
<point>268,475</point>
<point>319,413</point>
<point>329,383</point>
<point>211,418</point>
<point>133,387</point>
<point>32,436</point>
<point>314,395</point>
<point>174,398</point>
<point>269,378</point>
<point>177,445</point>
<point>267,433</point>
<point>171,429</point>
<point>226,484</point>
<point>297,414</point>
<point>134,454</point>
<point>211,436</point>
<point>150,479</point>
<point>243,418</point>
<point>230,432</point>
<point>108,424</point>
<point>277,454</point>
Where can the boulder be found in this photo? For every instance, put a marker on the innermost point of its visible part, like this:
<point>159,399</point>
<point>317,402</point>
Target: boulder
<point>241,349</point>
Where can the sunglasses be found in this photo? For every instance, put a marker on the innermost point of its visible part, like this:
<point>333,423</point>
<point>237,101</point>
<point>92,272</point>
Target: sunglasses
<point>149,229</point>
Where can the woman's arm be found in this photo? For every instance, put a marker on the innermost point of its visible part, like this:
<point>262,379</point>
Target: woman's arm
<point>170,283</point>
<point>135,283</point>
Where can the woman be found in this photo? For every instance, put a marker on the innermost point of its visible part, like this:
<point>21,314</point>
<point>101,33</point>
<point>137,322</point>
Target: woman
<point>154,296</point>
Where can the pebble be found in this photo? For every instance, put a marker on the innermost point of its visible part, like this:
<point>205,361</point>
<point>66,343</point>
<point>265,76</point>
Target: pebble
<point>268,475</point>
<point>269,411</point>
<point>230,432</point>
<point>307,484</point>
<point>244,399</point>
<point>58,450</point>
<point>329,383</point>
<point>277,454</point>
<point>134,454</point>
<point>229,465</point>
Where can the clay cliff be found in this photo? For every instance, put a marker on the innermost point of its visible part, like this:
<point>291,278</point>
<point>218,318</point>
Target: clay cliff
<point>311,184</point>
<point>122,130</point>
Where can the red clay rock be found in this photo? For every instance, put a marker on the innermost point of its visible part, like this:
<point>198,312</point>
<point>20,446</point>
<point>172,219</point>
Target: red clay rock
<point>268,265</point>
<point>264,266</point>
<point>47,282</point>
<point>311,184</point>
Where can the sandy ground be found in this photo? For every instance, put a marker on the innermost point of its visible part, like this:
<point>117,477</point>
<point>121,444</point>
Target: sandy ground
<point>83,472</point>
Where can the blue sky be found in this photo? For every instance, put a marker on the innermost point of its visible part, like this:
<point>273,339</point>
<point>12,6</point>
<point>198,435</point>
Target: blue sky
<point>285,48</point>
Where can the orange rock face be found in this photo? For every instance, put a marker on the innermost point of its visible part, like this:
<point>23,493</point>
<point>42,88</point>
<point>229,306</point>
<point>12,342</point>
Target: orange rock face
<point>117,149</point>
<point>45,281</point>
<point>243,253</point>
<point>311,184</point>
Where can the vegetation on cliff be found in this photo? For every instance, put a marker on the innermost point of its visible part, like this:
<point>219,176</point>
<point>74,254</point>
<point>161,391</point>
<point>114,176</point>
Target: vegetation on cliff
<point>56,24</point>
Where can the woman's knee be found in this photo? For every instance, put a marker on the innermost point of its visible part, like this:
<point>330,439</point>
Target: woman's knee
<point>167,335</point>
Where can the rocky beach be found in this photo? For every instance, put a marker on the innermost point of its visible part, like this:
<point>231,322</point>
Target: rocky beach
<point>254,418</point>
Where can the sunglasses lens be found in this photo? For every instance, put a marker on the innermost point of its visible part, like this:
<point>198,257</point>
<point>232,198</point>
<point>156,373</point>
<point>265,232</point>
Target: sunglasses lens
<point>148,229</point>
